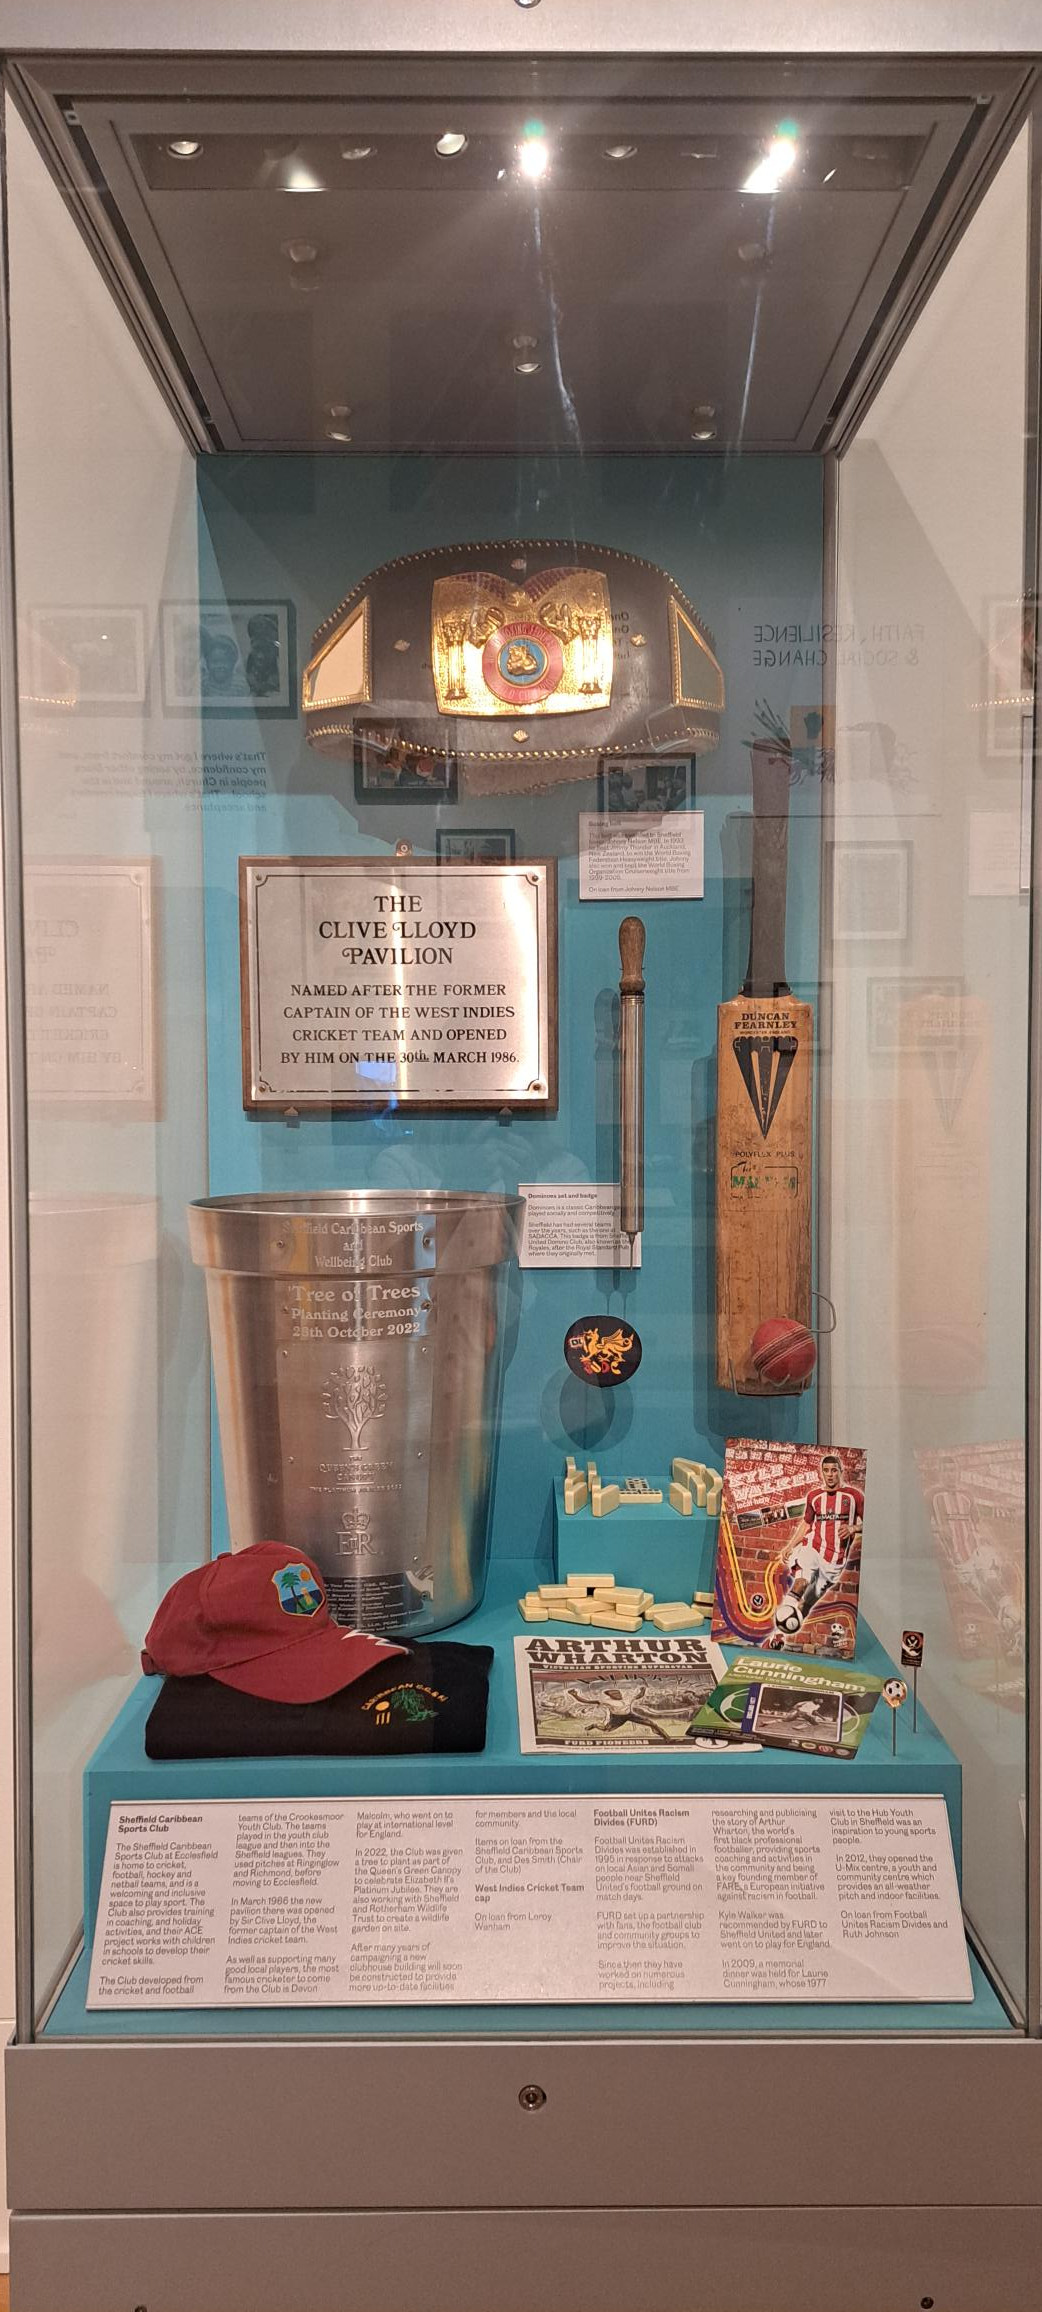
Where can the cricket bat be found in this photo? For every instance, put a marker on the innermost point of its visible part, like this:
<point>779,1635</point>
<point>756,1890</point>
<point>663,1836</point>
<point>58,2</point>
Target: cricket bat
<point>763,1111</point>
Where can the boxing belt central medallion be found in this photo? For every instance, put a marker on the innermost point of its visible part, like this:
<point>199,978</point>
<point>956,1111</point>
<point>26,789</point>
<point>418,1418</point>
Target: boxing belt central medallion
<point>543,646</point>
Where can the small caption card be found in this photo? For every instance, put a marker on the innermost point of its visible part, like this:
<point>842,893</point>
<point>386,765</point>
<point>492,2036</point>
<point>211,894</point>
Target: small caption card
<point>574,1224</point>
<point>641,855</point>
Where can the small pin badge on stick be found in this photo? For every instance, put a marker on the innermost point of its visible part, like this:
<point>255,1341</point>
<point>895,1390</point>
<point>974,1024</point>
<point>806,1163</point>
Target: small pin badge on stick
<point>912,1659</point>
<point>894,1693</point>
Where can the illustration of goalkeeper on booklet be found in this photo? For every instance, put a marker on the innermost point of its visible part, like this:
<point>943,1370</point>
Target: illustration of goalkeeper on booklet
<point>788,1556</point>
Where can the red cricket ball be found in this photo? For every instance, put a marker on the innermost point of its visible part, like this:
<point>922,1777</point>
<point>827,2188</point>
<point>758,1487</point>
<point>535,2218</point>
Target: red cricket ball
<point>783,1352</point>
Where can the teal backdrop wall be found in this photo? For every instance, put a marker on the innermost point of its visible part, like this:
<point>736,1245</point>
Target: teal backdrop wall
<point>744,540</point>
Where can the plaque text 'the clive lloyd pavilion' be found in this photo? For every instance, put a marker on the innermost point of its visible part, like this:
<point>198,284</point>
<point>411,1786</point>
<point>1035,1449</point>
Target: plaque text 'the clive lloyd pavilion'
<point>378,981</point>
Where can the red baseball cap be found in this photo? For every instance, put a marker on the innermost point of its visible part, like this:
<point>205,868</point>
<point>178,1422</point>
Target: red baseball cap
<point>258,1619</point>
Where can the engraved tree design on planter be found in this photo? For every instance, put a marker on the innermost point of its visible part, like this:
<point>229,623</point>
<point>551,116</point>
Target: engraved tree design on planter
<point>355,1395</point>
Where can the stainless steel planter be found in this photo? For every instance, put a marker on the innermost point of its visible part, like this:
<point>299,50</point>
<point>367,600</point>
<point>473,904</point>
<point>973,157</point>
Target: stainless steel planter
<point>357,1347</point>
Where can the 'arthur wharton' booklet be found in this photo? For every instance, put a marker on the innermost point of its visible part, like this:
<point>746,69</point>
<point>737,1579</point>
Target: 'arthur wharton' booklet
<point>626,1693</point>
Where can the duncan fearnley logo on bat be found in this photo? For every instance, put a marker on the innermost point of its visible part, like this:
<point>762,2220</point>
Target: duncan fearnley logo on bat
<point>765,1063</point>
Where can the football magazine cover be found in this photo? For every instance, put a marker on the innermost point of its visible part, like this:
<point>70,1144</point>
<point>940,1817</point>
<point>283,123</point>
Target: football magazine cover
<point>789,1547</point>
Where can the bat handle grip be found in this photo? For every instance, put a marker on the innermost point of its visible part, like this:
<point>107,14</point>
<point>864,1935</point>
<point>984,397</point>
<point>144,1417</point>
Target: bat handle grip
<point>631,1077</point>
<point>772,766</point>
<point>631,955</point>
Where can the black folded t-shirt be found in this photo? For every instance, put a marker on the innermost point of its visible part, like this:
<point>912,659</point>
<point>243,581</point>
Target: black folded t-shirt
<point>433,1698</point>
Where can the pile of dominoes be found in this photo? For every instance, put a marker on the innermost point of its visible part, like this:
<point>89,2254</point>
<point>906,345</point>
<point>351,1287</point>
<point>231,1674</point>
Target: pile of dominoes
<point>594,1600</point>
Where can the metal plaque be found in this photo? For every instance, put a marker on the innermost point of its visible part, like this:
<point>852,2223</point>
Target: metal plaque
<point>381,981</point>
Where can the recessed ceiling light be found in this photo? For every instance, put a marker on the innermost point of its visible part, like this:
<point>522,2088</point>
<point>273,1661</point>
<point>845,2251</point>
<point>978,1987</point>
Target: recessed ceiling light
<point>827,178</point>
<point>184,148</point>
<point>703,422</point>
<point>451,143</point>
<point>356,152</point>
<point>533,157</point>
<point>770,173</point>
<point>298,177</point>
<point>619,152</point>
<point>526,365</point>
<point>300,252</point>
<point>339,432</point>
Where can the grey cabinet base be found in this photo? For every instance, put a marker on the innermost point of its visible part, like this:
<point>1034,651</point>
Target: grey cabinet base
<point>792,2175</point>
<point>790,2258</point>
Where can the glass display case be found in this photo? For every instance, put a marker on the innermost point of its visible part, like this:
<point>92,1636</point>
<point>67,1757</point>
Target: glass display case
<point>519,740</point>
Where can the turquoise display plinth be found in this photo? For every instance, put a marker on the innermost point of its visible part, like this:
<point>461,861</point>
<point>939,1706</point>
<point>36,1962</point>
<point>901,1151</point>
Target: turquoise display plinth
<point>119,1770</point>
<point>654,1547</point>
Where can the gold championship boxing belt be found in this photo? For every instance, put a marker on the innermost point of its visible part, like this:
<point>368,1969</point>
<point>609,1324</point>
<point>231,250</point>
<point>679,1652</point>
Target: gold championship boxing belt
<point>523,660</point>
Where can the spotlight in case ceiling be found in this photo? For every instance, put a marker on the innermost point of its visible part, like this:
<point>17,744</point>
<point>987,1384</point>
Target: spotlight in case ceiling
<point>619,152</point>
<point>451,143</point>
<point>339,426</point>
<point>827,178</point>
<point>533,153</point>
<point>780,157</point>
<point>184,148</point>
<point>297,176</point>
<point>356,152</point>
<point>526,355</point>
<point>703,422</point>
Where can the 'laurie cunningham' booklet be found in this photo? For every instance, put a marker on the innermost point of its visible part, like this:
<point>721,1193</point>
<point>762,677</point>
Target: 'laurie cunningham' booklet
<point>791,1706</point>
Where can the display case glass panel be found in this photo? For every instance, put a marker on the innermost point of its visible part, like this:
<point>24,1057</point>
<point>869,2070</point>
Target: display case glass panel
<point>456,512</point>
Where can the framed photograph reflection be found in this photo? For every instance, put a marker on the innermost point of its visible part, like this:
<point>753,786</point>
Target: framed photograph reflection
<point>229,658</point>
<point>102,655</point>
<point>645,783</point>
<point>894,1012</point>
<point>475,845</point>
<point>383,774</point>
<point>869,885</point>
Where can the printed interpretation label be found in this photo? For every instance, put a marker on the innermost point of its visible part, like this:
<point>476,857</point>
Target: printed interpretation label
<point>574,1224</point>
<point>89,981</point>
<point>402,1902</point>
<point>645,855</point>
<point>376,980</point>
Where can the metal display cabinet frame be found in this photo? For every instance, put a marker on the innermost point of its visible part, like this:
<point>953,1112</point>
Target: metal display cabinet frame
<point>291,2175</point>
